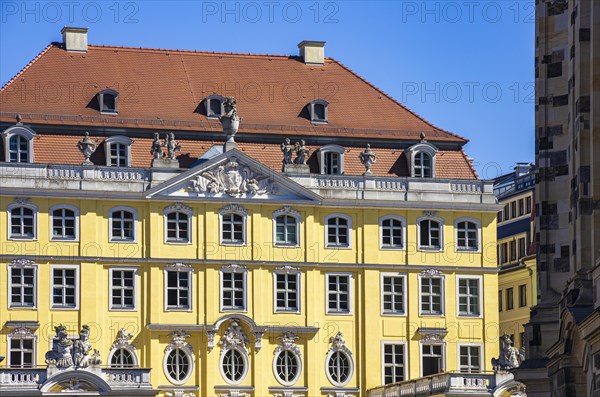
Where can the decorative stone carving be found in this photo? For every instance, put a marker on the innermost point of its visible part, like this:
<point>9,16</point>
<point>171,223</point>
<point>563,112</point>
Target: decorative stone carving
<point>367,158</point>
<point>288,342</point>
<point>210,336</point>
<point>22,332</point>
<point>234,337</point>
<point>287,148</point>
<point>431,273</point>
<point>288,393</point>
<point>287,269</point>
<point>180,393</point>
<point>430,214</point>
<point>234,393</point>
<point>179,265</point>
<point>302,152</point>
<point>172,146</point>
<point>233,208</point>
<point>87,147</point>
<point>82,350</point>
<point>179,207</point>
<point>434,337</point>
<point>233,179</point>
<point>22,262</point>
<point>19,119</point>
<point>509,357</point>
<point>286,210</point>
<point>178,341</point>
<point>22,200</point>
<point>123,339</point>
<point>156,149</point>
<point>258,340</point>
<point>338,343</point>
<point>61,353</point>
<point>233,267</point>
<point>230,121</point>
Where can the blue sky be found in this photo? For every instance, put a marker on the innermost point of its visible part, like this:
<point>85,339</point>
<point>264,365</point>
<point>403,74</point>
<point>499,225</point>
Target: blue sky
<point>465,66</point>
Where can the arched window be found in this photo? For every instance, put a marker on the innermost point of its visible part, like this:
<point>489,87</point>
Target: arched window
<point>108,101</point>
<point>422,166</point>
<point>178,366</point>
<point>234,366</point>
<point>118,151</point>
<point>319,111</point>
<point>331,160</point>
<point>286,224</point>
<point>233,225</point>
<point>22,221</point>
<point>122,226</point>
<point>122,358</point>
<point>421,159</point>
<point>431,233</point>
<point>467,234</point>
<point>18,144</point>
<point>178,224</point>
<point>65,222</point>
<point>337,231</point>
<point>287,367</point>
<point>392,232</point>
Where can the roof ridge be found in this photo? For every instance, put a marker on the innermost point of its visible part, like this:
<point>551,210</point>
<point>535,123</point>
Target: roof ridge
<point>38,56</point>
<point>395,101</point>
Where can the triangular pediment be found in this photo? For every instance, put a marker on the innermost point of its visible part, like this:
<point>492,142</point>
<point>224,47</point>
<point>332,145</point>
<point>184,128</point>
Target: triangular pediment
<point>232,175</point>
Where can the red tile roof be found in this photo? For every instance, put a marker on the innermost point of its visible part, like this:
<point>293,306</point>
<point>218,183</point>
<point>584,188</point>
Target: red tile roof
<point>162,89</point>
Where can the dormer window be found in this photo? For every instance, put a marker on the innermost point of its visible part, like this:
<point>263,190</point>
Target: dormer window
<point>331,160</point>
<point>107,99</point>
<point>319,111</point>
<point>18,144</point>
<point>421,159</point>
<point>118,151</point>
<point>214,106</point>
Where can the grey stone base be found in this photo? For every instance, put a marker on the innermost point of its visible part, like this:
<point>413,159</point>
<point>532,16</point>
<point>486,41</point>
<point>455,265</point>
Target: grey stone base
<point>296,169</point>
<point>165,163</point>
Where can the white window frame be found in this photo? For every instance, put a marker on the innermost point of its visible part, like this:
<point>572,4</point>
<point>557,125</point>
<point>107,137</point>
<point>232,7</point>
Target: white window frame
<point>101,94</point>
<point>348,219</point>
<point>331,148</point>
<point>299,367</point>
<point>30,265</point>
<point>111,270</point>
<point>244,273</point>
<point>31,336</point>
<point>298,275</point>
<point>53,306</point>
<point>24,132</point>
<point>404,296</point>
<point>207,102</point>
<point>402,220</point>
<point>117,139</point>
<point>289,212</point>
<point>440,221</point>
<point>422,147</point>
<point>350,369</point>
<point>128,349</point>
<point>404,345</point>
<point>350,310</point>
<point>481,356</point>
<point>76,223</point>
<point>190,272</point>
<point>246,360</point>
<point>480,297</point>
<point>184,210</point>
<point>135,224</point>
<point>30,206</point>
<point>443,364</point>
<point>190,356</point>
<point>244,216</point>
<point>311,109</point>
<point>442,298</point>
<point>478,237</point>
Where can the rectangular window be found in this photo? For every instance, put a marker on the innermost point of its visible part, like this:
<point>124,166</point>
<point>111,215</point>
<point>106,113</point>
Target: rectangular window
<point>521,247</point>
<point>430,233</point>
<point>122,288</point>
<point>521,207</point>
<point>513,250</point>
<point>64,287</point>
<point>391,233</point>
<point>338,232</point>
<point>118,155</point>
<point>509,299</point>
<point>287,292</point>
<point>123,226</point>
<point>470,359</point>
<point>22,223</point>
<point>503,253</point>
<point>506,212</point>
<point>528,204</point>
<point>431,295</point>
<point>513,209</point>
<point>233,291</point>
<point>393,363</point>
<point>286,230</point>
<point>500,300</point>
<point>431,359</point>
<point>338,293</point>
<point>64,224</point>
<point>21,353</point>
<point>178,227</point>
<point>178,289</point>
<point>392,294</point>
<point>233,229</point>
<point>332,163</point>
<point>499,216</point>
<point>468,297</point>
<point>23,282</point>
<point>522,295</point>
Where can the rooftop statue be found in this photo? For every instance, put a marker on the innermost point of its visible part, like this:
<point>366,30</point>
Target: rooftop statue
<point>367,158</point>
<point>156,150</point>
<point>66,353</point>
<point>287,148</point>
<point>171,145</point>
<point>230,120</point>
<point>509,357</point>
<point>302,152</point>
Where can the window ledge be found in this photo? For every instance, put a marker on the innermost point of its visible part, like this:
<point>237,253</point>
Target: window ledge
<point>65,240</point>
<point>233,244</point>
<point>393,314</point>
<point>178,242</point>
<point>399,248</point>
<point>338,247</point>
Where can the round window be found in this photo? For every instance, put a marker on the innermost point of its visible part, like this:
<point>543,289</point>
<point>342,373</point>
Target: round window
<point>339,367</point>
<point>287,367</point>
<point>178,366</point>
<point>234,366</point>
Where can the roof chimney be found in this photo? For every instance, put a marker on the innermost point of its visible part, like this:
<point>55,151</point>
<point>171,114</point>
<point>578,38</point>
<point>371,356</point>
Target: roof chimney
<point>312,52</point>
<point>75,39</point>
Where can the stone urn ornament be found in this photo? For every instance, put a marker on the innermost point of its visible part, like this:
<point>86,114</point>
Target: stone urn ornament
<point>230,120</point>
<point>87,147</point>
<point>367,158</point>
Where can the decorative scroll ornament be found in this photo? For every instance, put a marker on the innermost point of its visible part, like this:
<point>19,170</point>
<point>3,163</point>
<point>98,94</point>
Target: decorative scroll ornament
<point>123,339</point>
<point>210,335</point>
<point>22,262</point>
<point>233,208</point>
<point>233,393</point>
<point>430,214</point>
<point>180,393</point>
<point>288,342</point>
<point>234,337</point>
<point>258,340</point>
<point>368,158</point>
<point>434,337</point>
<point>233,179</point>
<point>510,357</point>
<point>431,273</point>
<point>87,147</point>
<point>178,341</point>
<point>338,343</point>
<point>286,210</point>
<point>179,265</point>
<point>288,393</point>
<point>287,269</point>
<point>234,267</point>
<point>179,207</point>
<point>22,332</point>
<point>22,200</point>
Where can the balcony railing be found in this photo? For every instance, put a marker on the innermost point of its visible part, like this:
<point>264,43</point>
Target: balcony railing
<point>479,384</point>
<point>73,172</point>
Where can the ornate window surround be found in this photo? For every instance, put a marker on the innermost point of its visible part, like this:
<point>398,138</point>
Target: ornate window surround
<point>241,211</point>
<point>477,223</point>
<point>22,131</point>
<point>425,147</point>
<point>403,222</point>
<point>23,263</point>
<point>135,224</point>
<point>117,139</point>
<point>178,207</point>
<point>433,273</point>
<point>441,223</point>
<point>338,344</point>
<point>288,343</point>
<point>178,341</point>
<point>234,338</point>
<point>123,341</point>
<point>423,342</point>
<point>348,219</point>
<point>287,210</point>
<point>22,333</point>
<point>76,215</point>
<point>330,148</point>
<point>25,204</point>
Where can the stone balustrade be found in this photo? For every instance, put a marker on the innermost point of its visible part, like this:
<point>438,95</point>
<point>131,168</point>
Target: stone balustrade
<point>479,384</point>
